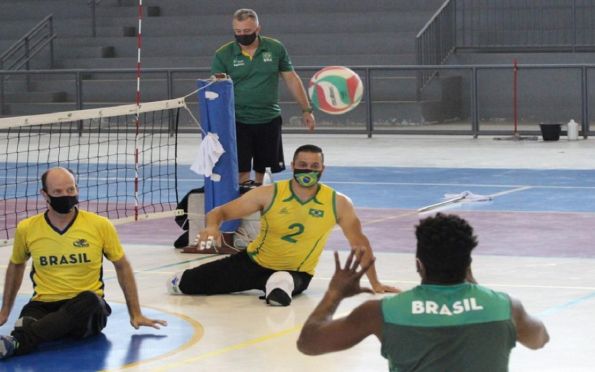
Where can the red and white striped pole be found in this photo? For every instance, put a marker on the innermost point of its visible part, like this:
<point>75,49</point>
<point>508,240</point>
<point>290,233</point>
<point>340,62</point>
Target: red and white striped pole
<point>139,40</point>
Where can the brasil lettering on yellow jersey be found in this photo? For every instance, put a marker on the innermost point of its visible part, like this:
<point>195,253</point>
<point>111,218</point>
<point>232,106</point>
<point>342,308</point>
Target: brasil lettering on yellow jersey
<point>68,262</point>
<point>293,232</point>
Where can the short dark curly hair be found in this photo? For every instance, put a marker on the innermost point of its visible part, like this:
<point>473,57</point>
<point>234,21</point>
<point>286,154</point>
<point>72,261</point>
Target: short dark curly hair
<point>444,245</point>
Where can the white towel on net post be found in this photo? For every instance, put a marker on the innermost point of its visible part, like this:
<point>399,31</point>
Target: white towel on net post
<point>207,156</point>
<point>468,196</point>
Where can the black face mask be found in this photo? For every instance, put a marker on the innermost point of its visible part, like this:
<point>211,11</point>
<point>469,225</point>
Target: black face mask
<point>306,177</point>
<point>246,40</point>
<point>63,204</point>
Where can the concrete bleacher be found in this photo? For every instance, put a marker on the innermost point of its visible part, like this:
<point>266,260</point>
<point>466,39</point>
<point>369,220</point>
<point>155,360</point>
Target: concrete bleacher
<point>181,33</point>
<point>544,94</point>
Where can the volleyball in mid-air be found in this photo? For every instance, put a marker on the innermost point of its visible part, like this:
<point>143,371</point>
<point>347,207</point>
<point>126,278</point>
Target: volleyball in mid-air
<point>335,90</point>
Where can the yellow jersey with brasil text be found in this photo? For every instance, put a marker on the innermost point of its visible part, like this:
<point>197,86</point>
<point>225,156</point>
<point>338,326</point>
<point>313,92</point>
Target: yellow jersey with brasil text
<point>293,232</point>
<point>66,263</point>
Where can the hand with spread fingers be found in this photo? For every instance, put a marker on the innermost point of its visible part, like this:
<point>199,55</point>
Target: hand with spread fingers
<point>360,251</point>
<point>345,281</point>
<point>143,321</point>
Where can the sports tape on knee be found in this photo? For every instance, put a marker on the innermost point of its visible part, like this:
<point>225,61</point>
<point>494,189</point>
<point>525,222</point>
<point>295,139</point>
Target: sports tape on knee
<point>282,280</point>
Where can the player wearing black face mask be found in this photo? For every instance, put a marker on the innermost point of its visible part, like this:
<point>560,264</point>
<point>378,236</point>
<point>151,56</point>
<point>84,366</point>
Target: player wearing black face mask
<point>62,197</point>
<point>67,247</point>
<point>254,64</point>
<point>63,204</point>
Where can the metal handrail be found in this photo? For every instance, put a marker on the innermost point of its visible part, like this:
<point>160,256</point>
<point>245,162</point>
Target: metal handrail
<point>439,36</point>
<point>40,41</point>
<point>432,19</point>
<point>465,25</point>
<point>367,71</point>
<point>33,42</point>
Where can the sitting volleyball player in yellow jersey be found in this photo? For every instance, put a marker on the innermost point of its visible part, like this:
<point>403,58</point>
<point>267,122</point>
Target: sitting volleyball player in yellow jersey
<point>297,217</point>
<point>67,246</point>
<point>448,323</point>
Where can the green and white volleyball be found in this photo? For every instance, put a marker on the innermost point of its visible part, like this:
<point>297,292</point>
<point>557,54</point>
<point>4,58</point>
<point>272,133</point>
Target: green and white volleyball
<point>335,90</point>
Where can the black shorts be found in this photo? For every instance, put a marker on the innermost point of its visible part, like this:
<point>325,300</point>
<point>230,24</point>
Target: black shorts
<point>260,146</point>
<point>235,273</point>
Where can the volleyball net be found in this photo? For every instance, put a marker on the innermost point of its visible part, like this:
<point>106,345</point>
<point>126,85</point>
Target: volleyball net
<point>124,159</point>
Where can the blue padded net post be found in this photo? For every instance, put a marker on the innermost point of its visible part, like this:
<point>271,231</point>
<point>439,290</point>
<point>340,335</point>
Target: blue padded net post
<point>217,115</point>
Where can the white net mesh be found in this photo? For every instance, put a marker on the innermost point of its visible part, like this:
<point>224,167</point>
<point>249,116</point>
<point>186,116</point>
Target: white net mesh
<point>104,147</point>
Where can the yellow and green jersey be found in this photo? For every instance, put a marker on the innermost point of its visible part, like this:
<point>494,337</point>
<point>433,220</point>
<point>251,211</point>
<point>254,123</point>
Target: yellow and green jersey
<point>67,262</point>
<point>293,232</point>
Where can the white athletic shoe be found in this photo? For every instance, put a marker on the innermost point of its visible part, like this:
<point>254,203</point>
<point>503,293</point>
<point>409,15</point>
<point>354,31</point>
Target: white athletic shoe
<point>173,284</point>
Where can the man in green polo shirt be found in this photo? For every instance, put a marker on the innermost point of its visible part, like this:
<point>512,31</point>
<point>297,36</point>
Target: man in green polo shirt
<point>254,63</point>
<point>448,323</point>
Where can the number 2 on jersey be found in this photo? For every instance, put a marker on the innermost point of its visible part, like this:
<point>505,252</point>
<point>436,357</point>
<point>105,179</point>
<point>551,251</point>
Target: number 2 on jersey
<point>296,229</point>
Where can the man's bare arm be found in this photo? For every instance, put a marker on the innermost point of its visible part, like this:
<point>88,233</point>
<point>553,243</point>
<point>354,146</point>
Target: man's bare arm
<point>254,200</point>
<point>531,331</point>
<point>296,87</point>
<point>352,229</point>
<point>321,333</point>
<point>128,285</point>
<point>12,284</point>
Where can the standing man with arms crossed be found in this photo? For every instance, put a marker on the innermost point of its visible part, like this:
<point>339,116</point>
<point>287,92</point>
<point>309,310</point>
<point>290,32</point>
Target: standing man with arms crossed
<point>297,217</point>
<point>254,63</point>
<point>66,246</point>
<point>444,324</point>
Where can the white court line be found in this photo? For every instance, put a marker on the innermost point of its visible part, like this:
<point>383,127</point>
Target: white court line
<point>396,281</point>
<point>366,183</point>
<point>537,286</point>
<point>454,184</point>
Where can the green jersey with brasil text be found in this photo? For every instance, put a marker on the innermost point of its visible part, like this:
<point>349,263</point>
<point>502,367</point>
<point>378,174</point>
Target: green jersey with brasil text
<point>255,79</point>
<point>463,327</point>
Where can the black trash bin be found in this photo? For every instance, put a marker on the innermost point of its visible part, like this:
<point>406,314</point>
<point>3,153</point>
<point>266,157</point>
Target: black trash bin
<point>550,131</point>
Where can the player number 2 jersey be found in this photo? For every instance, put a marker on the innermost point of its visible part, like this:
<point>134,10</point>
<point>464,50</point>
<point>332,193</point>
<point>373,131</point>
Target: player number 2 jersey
<point>293,232</point>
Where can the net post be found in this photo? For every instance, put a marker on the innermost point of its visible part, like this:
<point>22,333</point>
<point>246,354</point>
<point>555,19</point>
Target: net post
<point>2,77</point>
<point>79,99</point>
<point>170,89</point>
<point>217,115</point>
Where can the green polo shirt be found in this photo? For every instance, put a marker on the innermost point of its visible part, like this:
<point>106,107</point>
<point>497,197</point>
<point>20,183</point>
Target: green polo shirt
<point>256,80</point>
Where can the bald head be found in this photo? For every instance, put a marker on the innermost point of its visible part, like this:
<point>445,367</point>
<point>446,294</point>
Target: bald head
<point>58,181</point>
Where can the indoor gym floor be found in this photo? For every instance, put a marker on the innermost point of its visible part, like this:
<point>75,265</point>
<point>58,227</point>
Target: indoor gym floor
<point>535,242</point>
